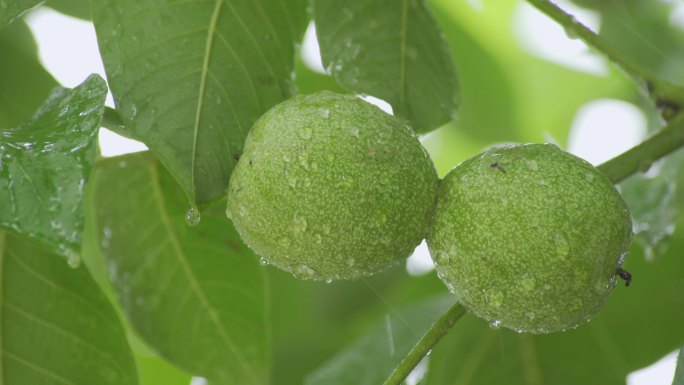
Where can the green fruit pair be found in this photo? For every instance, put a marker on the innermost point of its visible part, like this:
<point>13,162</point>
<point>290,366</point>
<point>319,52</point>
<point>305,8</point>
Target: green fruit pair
<point>330,187</point>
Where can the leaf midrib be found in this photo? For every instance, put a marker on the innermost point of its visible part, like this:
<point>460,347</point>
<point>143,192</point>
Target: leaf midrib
<point>197,289</point>
<point>211,31</point>
<point>402,52</point>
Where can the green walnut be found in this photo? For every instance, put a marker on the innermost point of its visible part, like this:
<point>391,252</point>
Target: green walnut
<point>530,237</point>
<point>331,187</point>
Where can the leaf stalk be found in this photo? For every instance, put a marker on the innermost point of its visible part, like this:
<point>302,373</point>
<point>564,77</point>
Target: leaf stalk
<point>642,156</point>
<point>664,92</point>
<point>423,347</point>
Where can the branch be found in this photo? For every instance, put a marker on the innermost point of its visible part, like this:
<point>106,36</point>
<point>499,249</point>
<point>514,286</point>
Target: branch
<point>438,330</point>
<point>641,157</point>
<point>664,92</point>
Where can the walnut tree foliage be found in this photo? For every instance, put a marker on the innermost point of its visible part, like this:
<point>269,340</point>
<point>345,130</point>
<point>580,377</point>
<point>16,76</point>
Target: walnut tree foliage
<point>126,270</point>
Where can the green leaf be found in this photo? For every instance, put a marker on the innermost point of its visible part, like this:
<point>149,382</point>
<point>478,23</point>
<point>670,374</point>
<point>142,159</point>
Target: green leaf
<point>652,203</point>
<point>45,163</point>
<point>25,83</point>
<point>152,369</point>
<point>155,371</point>
<point>75,8</point>
<point>679,373</point>
<point>57,327</point>
<point>190,78</point>
<point>392,50</point>
<point>639,325</point>
<point>316,320</point>
<point>196,295</point>
<point>12,9</point>
<point>371,359</point>
<point>643,32</point>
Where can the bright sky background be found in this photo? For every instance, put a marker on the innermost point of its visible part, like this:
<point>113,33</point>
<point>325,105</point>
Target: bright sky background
<point>601,129</point>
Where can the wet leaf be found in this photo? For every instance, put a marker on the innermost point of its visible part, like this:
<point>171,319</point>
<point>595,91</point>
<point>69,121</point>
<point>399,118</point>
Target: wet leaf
<point>190,78</point>
<point>45,163</point>
<point>371,359</point>
<point>195,295</point>
<point>25,83</point>
<point>392,50</point>
<point>57,327</point>
<point>12,9</point>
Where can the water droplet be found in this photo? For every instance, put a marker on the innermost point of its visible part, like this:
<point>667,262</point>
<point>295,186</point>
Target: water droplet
<point>73,259</point>
<point>291,180</point>
<point>530,315</point>
<point>532,164</point>
<point>527,283</point>
<point>381,219</point>
<point>328,280</point>
<point>284,242</point>
<point>453,249</point>
<point>442,258</point>
<point>318,238</point>
<point>325,113</point>
<point>326,229</point>
<point>263,261</point>
<point>562,246</point>
<point>304,272</point>
<point>299,224</point>
<point>106,236</point>
<point>304,160</point>
<point>132,111</point>
<point>495,298</point>
<point>354,131</point>
<point>305,133</point>
<point>495,324</point>
<point>192,217</point>
<point>350,262</point>
<point>589,177</point>
<point>287,158</point>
